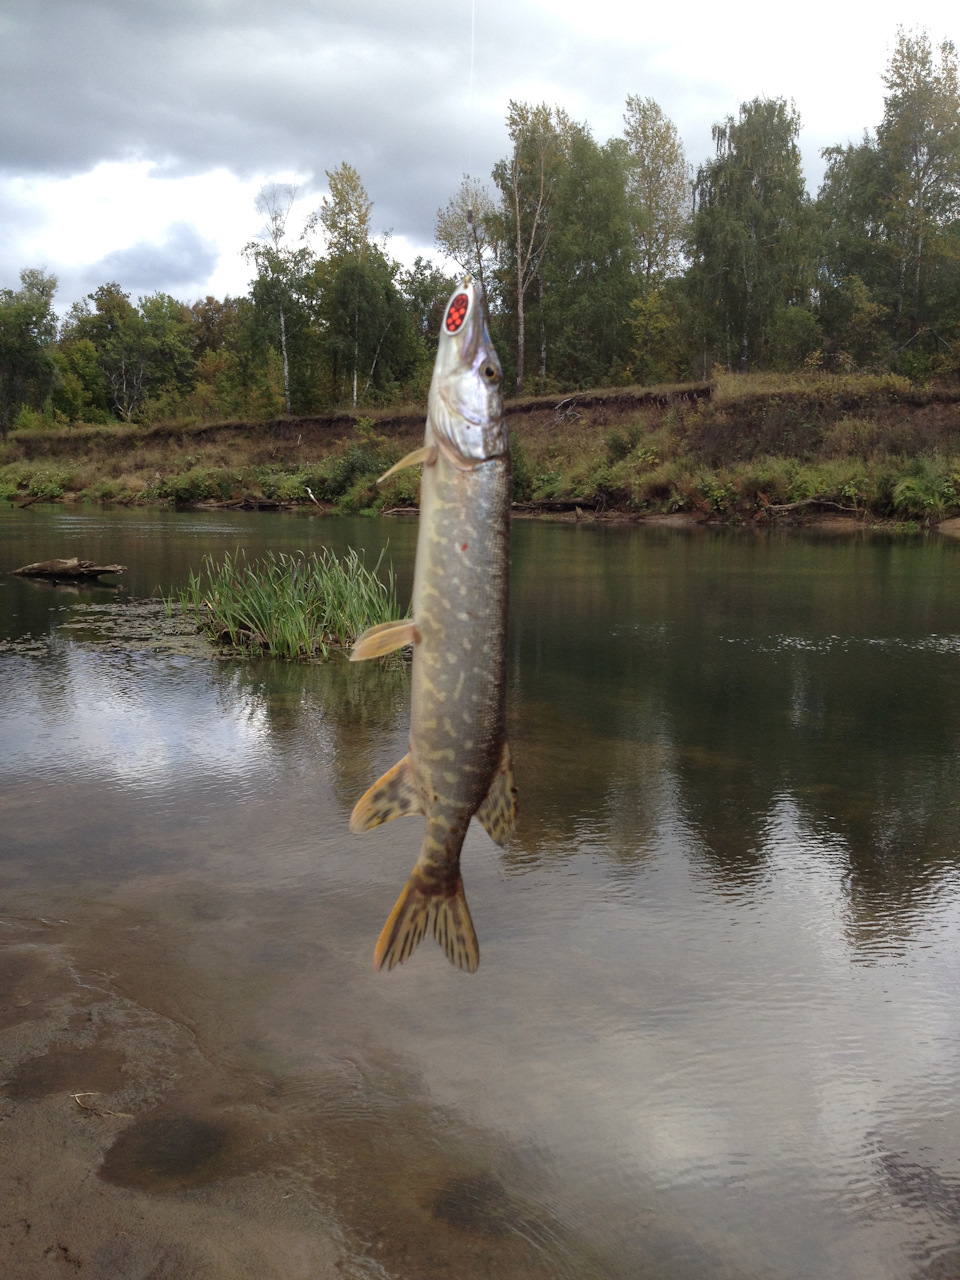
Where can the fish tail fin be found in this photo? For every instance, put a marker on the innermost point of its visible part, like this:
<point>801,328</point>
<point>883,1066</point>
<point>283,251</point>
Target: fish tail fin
<point>418,909</point>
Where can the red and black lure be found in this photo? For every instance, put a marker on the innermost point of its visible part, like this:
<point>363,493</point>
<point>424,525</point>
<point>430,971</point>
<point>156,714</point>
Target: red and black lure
<point>456,313</point>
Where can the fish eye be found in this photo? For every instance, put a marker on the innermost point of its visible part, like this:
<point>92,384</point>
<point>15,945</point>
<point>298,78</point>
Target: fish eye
<point>489,372</point>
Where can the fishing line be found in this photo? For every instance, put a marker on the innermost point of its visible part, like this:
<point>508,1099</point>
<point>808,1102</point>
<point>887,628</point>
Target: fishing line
<point>473,30</point>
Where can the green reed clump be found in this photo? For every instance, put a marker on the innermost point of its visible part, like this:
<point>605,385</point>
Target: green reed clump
<point>291,606</point>
<point>929,489</point>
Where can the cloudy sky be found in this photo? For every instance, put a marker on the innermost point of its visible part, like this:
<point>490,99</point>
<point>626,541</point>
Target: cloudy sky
<point>134,134</point>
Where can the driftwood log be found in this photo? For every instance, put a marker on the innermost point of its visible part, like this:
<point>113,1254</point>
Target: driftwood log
<point>73,568</point>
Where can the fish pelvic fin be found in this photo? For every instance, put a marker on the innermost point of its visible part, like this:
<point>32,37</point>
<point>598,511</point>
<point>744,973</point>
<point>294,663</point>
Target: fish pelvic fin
<point>425,454</point>
<point>384,638</point>
<point>418,909</point>
<point>498,812</point>
<point>395,795</point>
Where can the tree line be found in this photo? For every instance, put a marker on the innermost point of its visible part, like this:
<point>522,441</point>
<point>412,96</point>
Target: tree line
<point>602,263</point>
<point>316,331</point>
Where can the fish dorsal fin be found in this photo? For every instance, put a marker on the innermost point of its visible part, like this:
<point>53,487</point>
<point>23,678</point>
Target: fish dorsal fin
<point>425,454</point>
<point>498,812</point>
<point>395,795</point>
<point>384,638</point>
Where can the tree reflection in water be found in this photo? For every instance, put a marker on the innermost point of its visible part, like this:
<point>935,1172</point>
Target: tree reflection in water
<point>703,683</point>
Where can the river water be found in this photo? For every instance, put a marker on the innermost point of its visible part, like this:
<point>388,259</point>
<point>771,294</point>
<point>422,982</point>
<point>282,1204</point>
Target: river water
<point>714,1032</point>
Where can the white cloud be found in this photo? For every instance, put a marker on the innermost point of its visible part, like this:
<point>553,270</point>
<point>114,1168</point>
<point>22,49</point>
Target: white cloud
<point>124,121</point>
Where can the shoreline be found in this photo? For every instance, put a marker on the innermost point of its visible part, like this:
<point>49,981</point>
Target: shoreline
<point>845,522</point>
<point>742,450</point>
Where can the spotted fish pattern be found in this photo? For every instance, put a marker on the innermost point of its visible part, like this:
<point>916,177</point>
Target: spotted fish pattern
<point>459,762</point>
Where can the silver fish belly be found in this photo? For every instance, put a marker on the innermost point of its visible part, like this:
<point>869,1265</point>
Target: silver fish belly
<point>459,762</point>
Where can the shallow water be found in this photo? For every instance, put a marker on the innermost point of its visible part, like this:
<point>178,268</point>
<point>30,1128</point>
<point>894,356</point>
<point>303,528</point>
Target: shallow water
<point>714,1030</point>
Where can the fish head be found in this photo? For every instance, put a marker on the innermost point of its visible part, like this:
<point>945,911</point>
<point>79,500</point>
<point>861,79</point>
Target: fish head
<point>465,410</point>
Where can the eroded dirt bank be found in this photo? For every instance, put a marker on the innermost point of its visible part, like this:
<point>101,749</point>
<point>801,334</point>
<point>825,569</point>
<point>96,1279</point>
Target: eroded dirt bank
<point>732,450</point>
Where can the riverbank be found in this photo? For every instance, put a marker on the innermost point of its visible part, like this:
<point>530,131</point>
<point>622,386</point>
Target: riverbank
<point>758,448</point>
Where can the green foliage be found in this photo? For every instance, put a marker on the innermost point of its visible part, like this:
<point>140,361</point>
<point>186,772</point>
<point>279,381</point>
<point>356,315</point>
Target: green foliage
<point>401,490</point>
<point>527,180</point>
<point>27,332</point>
<point>658,190</point>
<point>749,239</point>
<point>282,295</point>
<point>245,375</point>
<point>290,606</point>
<point>467,232</point>
<point>622,441</point>
<point>919,144</point>
<point>595,272</point>
<point>587,279</point>
<point>80,389</point>
<point>31,420</point>
<point>853,324</point>
<point>523,475</point>
<point>794,335</point>
<point>193,485</point>
<point>718,492</point>
<point>889,205</point>
<point>929,490</point>
<point>345,213</point>
<point>347,477</point>
<point>851,437</point>
<point>660,338</point>
<point>359,463</point>
<point>371,346</point>
<point>424,290</point>
<point>139,351</point>
<point>52,483</point>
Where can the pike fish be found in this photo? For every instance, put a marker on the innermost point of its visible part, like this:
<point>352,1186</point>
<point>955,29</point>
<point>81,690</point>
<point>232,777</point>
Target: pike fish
<point>458,765</point>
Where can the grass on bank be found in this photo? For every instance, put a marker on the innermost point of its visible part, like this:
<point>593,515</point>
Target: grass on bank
<point>289,606</point>
<point>233,464</point>
<point>760,447</point>
<point>751,449</point>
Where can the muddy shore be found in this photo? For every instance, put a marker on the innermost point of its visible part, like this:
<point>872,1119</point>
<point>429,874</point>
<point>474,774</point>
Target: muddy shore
<point>119,1159</point>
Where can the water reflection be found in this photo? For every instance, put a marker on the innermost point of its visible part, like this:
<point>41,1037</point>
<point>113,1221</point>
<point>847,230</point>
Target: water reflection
<point>338,711</point>
<point>669,704</point>
<point>720,958</point>
<point>125,719</point>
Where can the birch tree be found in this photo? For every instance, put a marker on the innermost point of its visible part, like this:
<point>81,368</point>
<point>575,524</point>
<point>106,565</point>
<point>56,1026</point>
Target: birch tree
<point>889,208</point>
<point>280,268</point>
<point>750,235</point>
<point>345,218</point>
<point>919,145</point>
<point>527,182</point>
<point>588,275</point>
<point>658,189</point>
<point>369,334</point>
<point>467,232</point>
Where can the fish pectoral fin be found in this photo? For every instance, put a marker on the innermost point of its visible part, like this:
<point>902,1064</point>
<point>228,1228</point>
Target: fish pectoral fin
<point>395,795</point>
<point>416,910</point>
<point>384,638</point>
<point>498,812</point>
<point>426,454</point>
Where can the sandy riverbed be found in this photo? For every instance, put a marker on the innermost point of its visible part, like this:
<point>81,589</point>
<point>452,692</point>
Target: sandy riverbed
<point>122,1158</point>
